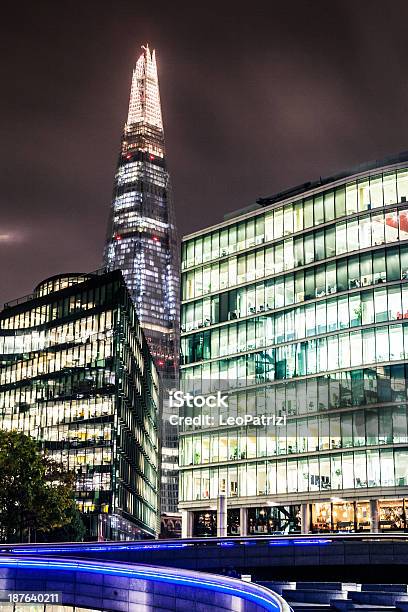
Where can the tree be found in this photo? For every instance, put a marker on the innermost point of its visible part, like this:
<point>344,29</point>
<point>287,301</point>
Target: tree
<point>36,493</point>
<point>73,529</point>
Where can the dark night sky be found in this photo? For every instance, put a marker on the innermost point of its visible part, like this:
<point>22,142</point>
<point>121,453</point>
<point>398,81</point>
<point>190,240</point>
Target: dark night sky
<point>256,98</point>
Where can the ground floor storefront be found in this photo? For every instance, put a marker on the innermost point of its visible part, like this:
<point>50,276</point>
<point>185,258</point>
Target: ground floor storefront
<point>384,514</point>
<point>331,516</point>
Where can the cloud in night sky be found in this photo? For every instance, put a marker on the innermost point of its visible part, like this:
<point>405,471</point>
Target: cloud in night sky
<point>253,101</point>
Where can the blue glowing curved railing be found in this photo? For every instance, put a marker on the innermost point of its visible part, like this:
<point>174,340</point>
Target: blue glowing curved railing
<point>230,541</point>
<point>261,596</point>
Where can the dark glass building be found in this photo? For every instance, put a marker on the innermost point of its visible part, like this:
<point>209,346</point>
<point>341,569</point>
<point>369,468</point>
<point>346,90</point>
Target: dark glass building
<point>76,373</point>
<point>298,306</point>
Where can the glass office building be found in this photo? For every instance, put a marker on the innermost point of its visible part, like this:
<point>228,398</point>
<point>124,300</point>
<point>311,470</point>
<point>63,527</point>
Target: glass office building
<point>142,242</point>
<point>76,373</point>
<point>298,307</point>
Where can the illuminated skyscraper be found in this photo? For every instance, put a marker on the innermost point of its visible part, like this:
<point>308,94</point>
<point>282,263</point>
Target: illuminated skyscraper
<point>142,237</point>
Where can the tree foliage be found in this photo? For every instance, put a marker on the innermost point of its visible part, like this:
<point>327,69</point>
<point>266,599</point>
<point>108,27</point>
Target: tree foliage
<point>36,493</point>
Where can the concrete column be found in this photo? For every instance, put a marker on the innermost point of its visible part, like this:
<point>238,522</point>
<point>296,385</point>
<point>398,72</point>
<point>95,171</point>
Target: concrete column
<point>186,524</point>
<point>243,521</point>
<point>305,518</point>
<point>222,515</point>
<point>374,513</point>
<point>100,528</point>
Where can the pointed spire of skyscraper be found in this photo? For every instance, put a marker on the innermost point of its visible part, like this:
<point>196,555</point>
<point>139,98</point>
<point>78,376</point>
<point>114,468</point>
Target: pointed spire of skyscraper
<point>144,102</point>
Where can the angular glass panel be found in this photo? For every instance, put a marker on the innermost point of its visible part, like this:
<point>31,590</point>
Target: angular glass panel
<point>390,188</point>
<point>329,212</point>
<point>308,212</point>
<point>318,210</point>
<point>364,196</point>
<point>288,219</point>
<point>351,198</point>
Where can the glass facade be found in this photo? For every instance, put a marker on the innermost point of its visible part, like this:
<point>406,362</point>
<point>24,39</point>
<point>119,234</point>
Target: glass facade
<point>76,373</point>
<point>142,242</point>
<point>142,239</point>
<point>299,310</point>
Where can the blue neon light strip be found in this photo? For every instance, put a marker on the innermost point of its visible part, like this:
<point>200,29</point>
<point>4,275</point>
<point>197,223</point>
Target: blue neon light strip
<point>313,542</point>
<point>229,586</point>
<point>95,548</point>
<point>136,546</point>
<point>310,542</point>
